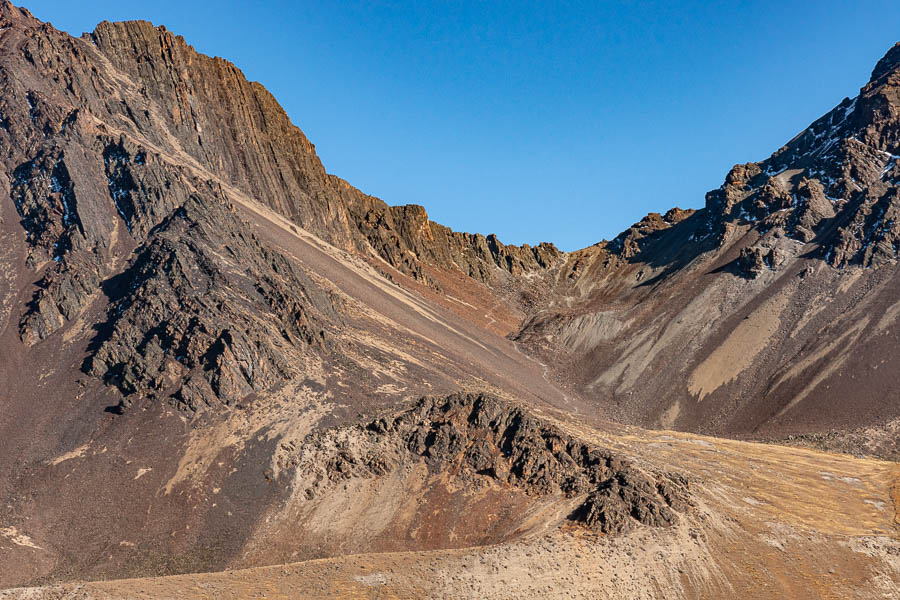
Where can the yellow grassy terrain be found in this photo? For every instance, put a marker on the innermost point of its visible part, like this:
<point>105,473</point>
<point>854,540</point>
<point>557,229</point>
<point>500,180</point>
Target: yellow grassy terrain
<point>770,522</point>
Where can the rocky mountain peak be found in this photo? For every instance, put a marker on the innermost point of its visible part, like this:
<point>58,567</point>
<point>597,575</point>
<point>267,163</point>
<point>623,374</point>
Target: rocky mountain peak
<point>889,62</point>
<point>121,149</point>
<point>834,184</point>
<point>11,15</point>
<point>236,129</point>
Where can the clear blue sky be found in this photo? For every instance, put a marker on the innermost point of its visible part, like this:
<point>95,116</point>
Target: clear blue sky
<point>556,121</point>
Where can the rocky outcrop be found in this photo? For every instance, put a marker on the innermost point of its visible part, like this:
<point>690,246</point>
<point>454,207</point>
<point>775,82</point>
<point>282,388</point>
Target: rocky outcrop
<point>475,436</point>
<point>407,239</point>
<point>835,183</point>
<point>630,242</point>
<point>205,314</point>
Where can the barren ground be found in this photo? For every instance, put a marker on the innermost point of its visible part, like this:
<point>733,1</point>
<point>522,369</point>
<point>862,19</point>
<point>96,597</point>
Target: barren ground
<point>770,521</point>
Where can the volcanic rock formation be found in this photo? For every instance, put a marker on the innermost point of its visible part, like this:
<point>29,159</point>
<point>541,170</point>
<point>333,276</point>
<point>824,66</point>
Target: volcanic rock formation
<point>210,348</point>
<point>477,436</point>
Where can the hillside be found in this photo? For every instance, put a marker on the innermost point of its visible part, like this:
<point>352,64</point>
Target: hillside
<point>218,356</point>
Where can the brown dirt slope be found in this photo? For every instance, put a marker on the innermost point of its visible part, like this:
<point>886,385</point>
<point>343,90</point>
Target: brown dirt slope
<point>769,522</point>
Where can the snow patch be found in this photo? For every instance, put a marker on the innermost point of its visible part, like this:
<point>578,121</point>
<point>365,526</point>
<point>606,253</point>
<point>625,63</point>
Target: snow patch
<point>32,106</point>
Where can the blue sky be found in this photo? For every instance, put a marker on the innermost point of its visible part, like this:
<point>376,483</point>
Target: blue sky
<point>537,121</point>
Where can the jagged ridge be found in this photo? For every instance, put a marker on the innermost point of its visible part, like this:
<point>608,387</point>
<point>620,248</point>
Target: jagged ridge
<point>205,313</point>
<point>479,436</point>
<point>111,134</point>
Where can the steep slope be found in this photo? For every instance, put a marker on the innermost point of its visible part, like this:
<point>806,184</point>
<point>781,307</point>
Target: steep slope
<point>168,121</point>
<point>161,307</point>
<point>110,135</point>
<point>772,310</point>
<point>217,355</point>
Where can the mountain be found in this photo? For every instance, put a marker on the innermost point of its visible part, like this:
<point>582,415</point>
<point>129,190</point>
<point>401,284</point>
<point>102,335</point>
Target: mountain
<point>769,312</point>
<point>216,355</point>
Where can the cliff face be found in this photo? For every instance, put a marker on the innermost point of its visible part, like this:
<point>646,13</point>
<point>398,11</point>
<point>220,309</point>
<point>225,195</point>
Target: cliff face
<point>205,110</point>
<point>236,129</point>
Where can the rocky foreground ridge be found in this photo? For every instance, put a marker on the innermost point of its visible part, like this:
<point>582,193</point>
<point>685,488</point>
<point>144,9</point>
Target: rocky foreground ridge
<point>478,437</point>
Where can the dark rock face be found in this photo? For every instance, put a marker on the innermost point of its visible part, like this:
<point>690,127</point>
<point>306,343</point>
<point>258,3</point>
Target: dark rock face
<point>44,198</point>
<point>116,143</point>
<point>476,435</point>
<point>144,189</point>
<point>835,183</point>
<point>889,62</point>
<point>204,313</point>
